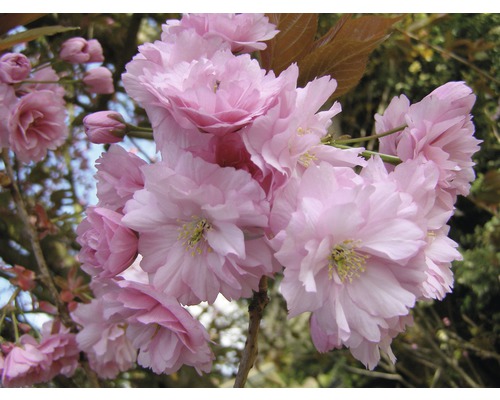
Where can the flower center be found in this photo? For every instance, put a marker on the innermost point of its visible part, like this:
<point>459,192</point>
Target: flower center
<point>216,86</point>
<point>346,261</point>
<point>192,235</point>
<point>306,159</point>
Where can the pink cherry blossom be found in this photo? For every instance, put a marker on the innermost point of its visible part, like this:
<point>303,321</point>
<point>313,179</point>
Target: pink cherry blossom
<point>23,364</point>
<point>14,67</point>
<point>43,79</point>
<point>108,246</point>
<point>8,101</point>
<point>104,127</point>
<point>440,129</point>
<point>118,176</point>
<point>244,32</point>
<point>201,229</point>
<point>60,347</point>
<point>99,80</point>
<point>164,333</point>
<point>420,179</point>
<point>366,351</point>
<point>155,58</point>
<point>287,139</point>
<point>440,252</point>
<point>218,95</point>
<point>352,253</point>
<point>37,124</point>
<point>104,341</point>
<point>30,362</point>
<point>95,51</point>
<point>78,50</point>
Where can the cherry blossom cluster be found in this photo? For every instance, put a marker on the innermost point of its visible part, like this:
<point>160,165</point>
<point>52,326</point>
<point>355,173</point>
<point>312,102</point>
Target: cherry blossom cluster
<point>251,183</point>
<point>33,121</point>
<point>33,116</point>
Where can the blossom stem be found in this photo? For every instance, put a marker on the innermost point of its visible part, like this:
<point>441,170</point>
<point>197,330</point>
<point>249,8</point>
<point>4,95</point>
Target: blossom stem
<point>255,311</point>
<point>367,154</point>
<point>6,307</point>
<point>139,128</point>
<point>72,81</point>
<point>140,134</point>
<point>367,138</point>
<point>46,64</point>
<point>14,324</point>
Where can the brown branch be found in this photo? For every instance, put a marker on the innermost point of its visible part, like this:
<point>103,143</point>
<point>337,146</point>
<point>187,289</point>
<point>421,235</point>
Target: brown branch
<point>255,311</point>
<point>43,269</point>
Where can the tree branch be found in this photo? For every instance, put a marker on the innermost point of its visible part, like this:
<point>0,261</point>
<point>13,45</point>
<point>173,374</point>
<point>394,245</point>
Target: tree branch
<point>255,311</point>
<point>43,269</point>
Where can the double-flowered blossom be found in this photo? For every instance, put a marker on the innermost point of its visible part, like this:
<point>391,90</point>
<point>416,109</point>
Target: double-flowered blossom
<point>201,229</point>
<point>8,100</point>
<point>352,255</point>
<point>160,334</point>
<point>217,95</point>
<point>108,246</point>
<point>244,32</point>
<point>14,67</point>
<point>104,341</point>
<point>31,362</point>
<point>287,139</point>
<point>33,113</point>
<point>245,187</point>
<point>440,129</point>
<point>119,176</point>
<point>37,123</point>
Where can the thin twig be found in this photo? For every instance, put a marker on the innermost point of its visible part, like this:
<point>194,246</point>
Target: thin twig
<point>368,138</point>
<point>45,275</point>
<point>43,269</point>
<point>255,311</point>
<point>376,374</point>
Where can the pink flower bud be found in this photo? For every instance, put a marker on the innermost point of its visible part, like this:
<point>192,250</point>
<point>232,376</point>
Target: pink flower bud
<point>99,80</point>
<point>75,50</point>
<point>104,127</point>
<point>95,51</point>
<point>14,67</point>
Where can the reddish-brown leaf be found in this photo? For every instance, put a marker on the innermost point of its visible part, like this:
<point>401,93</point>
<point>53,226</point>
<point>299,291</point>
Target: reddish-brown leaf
<point>344,51</point>
<point>9,21</point>
<point>293,42</point>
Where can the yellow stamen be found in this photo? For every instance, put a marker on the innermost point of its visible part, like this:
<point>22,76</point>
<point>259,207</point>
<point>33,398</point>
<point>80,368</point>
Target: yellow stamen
<point>306,159</point>
<point>301,131</point>
<point>216,86</point>
<point>192,235</point>
<point>346,261</point>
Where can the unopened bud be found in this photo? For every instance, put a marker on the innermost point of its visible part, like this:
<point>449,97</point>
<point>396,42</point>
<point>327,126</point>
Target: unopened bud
<point>105,127</point>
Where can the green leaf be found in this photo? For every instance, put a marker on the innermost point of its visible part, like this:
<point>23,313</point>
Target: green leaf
<point>344,51</point>
<point>293,42</point>
<point>33,34</point>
